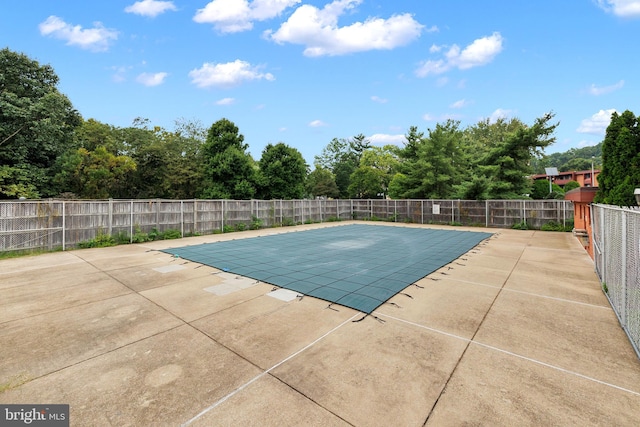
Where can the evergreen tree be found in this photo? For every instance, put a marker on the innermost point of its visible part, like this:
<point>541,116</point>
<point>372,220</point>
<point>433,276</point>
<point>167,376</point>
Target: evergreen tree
<point>620,173</point>
<point>508,164</point>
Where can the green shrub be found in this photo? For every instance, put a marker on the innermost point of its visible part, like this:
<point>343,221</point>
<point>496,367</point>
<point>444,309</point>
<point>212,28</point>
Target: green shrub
<point>333,219</point>
<point>287,222</point>
<point>228,228</point>
<point>171,233</point>
<point>521,226</point>
<point>256,223</point>
<point>556,226</point>
<point>241,226</point>
<point>101,240</point>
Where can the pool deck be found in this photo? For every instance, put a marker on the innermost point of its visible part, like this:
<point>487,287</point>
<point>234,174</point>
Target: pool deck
<point>517,332</point>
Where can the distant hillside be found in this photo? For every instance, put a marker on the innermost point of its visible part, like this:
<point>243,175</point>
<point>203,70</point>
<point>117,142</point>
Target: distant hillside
<point>575,159</point>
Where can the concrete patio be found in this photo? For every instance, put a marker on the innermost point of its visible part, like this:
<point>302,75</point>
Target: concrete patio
<point>517,332</point>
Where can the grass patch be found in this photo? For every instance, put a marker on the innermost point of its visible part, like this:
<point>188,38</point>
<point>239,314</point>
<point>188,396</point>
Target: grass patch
<point>15,381</point>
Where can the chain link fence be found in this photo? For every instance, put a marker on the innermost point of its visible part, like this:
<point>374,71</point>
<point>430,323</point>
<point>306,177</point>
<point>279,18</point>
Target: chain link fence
<point>60,224</point>
<point>616,238</point>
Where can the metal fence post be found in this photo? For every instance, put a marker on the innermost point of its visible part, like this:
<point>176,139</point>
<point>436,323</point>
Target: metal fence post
<point>486,213</point>
<point>109,228</point>
<point>64,237</point>
<point>181,218</point>
<point>195,217</point>
<point>623,268</point>
<point>131,223</point>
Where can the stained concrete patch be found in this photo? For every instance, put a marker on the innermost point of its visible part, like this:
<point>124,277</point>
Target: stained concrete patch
<point>266,330</point>
<point>169,268</point>
<point>189,301</point>
<point>231,283</point>
<point>45,297</point>
<point>117,257</point>
<point>56,276</point>
<point>584,339</point>
<point>268,402</point>
<point>284,295</point>
<point>42,344</point>
<point>165,379</point>
<point>29,263</point>
<point>143,277</point>
<point>493,388</point>
<point>374,374</point>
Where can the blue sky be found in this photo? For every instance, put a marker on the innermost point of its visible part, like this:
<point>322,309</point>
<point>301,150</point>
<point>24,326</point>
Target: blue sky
<point>305,71</point>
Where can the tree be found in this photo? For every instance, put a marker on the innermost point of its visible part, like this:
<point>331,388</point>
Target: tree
<point>37,125</point>
<point>476,143</point>
<point>540,190</point>
<point>620,173</point>
<point>96,174</point>
<point>282,172</point>
<point>507,165</point>
<point>372,177</point>
<point>342,157</point>
<point>436,169</point>
<point>230,171</point>
<point>322,183</point>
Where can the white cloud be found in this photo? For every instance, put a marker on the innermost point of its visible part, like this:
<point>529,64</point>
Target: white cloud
<point>623,8</point>
<point>586,143</point>
<point>226,101</point>
<point>442,81</point>
<point>232,16</point>
<point>602,90</point>
<point>318,30</point>
<point>500,113</point>
<point>379,100</point>
<point>481,52</point>
<point>460,103</point>
<point>151,79</point>
<point>317,124</point>
<point>282,129</point>
<point>95,39</point>
<point>151,8</point>
<point>227,74</point>
<point>596,124</point>
<point>120,73</point>
<point>435,48</point>
<point>383,139</point>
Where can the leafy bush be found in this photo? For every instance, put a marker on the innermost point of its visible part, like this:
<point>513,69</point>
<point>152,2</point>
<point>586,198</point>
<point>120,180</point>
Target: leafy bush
<point>521,226</point>
<point>171,233</point>
<point>228,228</point>
<point>333,219</point>
<point>101,240</point>
<point>287,222</point>
<point>256,223</point>
<point>556,226</point>
<point>241,226</point>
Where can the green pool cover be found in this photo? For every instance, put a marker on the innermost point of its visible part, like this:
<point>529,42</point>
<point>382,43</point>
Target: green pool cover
<point>358,266</point>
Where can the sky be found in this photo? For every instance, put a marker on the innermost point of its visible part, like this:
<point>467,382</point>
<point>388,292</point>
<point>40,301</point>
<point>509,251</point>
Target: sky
<point>303,72</point>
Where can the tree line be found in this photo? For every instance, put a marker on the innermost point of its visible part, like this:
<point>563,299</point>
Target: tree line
<point>47,149</point>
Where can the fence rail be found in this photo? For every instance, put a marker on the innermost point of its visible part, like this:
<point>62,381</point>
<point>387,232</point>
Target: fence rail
<point>52,224</point>
<point>616,238</point>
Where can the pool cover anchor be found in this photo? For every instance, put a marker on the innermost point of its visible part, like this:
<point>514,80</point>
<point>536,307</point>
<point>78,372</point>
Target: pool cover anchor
<point>365,316</point>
